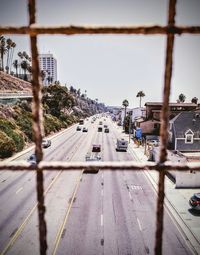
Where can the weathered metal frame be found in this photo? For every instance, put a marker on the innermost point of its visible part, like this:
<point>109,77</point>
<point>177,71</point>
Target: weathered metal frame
<point>33,30</point>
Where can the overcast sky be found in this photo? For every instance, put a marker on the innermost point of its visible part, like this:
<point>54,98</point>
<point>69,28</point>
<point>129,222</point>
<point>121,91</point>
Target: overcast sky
<point>114,68</point>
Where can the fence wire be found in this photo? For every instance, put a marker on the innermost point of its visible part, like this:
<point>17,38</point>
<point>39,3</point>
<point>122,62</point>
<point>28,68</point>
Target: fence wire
<point>33,30</point>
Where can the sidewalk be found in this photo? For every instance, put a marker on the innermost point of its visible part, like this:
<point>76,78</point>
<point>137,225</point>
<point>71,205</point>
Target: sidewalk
<point>176,203</point>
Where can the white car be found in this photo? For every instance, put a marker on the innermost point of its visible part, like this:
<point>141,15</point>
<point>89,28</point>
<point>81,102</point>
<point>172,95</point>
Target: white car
<point>46,143</point>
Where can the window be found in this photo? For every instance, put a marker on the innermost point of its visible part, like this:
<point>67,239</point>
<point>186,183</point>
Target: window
<point>189,136</point>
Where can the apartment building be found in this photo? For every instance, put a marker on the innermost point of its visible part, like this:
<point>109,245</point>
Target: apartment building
<point>49,65</point>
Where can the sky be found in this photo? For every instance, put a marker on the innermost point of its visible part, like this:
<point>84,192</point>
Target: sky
<point>114,67</point>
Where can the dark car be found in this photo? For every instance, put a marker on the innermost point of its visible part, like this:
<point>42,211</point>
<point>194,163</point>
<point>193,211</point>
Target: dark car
<point>106,130</point>
<point>100,129</point>
<point>84,129</point>
<point>96,148</point>
<point>32,159</point>
<point>78,128</point>
<point>46,143</point>
<point>195,201</point>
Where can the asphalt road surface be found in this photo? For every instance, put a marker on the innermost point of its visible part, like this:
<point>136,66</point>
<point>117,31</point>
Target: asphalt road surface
<point>104,213</point>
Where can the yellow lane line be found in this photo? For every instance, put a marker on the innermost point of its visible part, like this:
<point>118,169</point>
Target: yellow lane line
<point>22,226</point>
<point>60,231</point>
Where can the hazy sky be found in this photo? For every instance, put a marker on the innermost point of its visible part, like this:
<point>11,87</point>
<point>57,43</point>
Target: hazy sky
<point>114,68</point>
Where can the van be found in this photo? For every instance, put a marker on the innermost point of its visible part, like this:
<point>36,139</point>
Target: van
<point>121,145</point>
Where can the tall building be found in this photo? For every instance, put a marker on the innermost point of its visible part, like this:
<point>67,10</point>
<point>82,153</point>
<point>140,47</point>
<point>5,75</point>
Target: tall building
<point>49,65</point>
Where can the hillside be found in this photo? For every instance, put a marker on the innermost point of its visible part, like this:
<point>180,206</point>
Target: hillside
<point>61,108</point>
<point>11,83</point>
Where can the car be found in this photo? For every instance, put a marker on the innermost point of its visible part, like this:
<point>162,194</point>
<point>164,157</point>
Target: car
<point>106,130</point>
<point>105,126</point>
<point>153,142</point>
<point>46,143</point>
<point>78,128</point>
<point>32,159</point>
<point>195,201</point>
<point>100,129</point>
<point>96,148</point>
<point>85,129</point>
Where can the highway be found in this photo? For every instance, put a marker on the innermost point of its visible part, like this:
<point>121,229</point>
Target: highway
<point>104,213</point>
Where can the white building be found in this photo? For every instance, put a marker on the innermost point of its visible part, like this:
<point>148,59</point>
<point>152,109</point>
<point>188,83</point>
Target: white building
<point>49,65</point>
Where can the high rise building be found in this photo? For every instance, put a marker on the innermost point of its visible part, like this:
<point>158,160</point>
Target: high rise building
<point>49,65</point>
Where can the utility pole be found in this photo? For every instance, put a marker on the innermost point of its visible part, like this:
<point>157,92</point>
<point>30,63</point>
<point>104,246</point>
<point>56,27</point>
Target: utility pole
<point>130,122</point>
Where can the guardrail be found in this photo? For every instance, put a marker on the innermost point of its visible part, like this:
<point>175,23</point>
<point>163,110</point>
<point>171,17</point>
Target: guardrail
<point>10,94</point>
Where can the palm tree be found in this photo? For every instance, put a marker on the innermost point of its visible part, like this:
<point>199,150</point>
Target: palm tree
<point>194,100</point>
<point>24,66</point>
<point>16,65</point>
<point>43,75</point>
<point>3,51</point>
<point>182,98</point>
<point>8,46</point>
<point>13,45</point>
<point>125,103</point>
<point>20,55</point>
<point>140,94</point>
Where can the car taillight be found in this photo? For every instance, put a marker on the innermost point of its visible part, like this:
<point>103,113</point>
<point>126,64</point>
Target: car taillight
<point>196,202</point>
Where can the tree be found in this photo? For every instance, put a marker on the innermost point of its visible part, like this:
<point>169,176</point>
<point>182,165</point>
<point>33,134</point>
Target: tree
<point>24,66</point>
<point>182,98</point>
<point>20,55</point>
<point>42,75</point>
<point>13,45</point>
<point>125,103</point>
<point>3,51</point>
<point>194,100</point>
<point>8,46</point>
<point>140,94</point>
<point>16,65</point>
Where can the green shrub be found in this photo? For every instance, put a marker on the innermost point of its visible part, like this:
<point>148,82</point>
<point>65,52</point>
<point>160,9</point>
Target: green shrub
<point>10,130</point>
<point>24,121</point>
<point>51,124</point>
<point>7,145</point>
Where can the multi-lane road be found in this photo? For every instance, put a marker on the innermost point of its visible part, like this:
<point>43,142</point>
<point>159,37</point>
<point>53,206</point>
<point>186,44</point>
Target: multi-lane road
<point>104,213</point>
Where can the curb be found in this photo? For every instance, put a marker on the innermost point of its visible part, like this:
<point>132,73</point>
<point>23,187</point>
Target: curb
<point>181,225</point>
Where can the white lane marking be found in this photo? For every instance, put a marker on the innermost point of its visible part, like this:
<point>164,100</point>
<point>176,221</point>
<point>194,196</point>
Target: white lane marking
<point>20,189</point>
<point>102,175</point>
<point>136,187</point>
<point>130,195</point>
<point>101,219</point>
<point>139,224</point>
<point>102,192</point>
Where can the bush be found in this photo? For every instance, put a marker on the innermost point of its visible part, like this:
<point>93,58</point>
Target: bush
<point>24,121</point>
<point>51,124</point>
<point>7,145</point>
<point>10,130</point>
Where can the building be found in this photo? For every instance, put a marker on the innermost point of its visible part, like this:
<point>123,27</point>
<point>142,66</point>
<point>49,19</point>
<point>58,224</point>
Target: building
<point>150,124</point>
<point>184,132</point>
<point>49,65</point>
<point>153,109</point>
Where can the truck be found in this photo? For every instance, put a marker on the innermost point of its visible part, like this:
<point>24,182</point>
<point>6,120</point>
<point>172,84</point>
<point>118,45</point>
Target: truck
<point>121,145</point>
<point>94,155</point>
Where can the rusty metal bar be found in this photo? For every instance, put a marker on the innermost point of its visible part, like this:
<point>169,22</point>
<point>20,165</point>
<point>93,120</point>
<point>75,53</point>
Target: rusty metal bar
<point>38,131</point>
<point>34,30</point>
<point>104,165</point>
<point>164,129</point>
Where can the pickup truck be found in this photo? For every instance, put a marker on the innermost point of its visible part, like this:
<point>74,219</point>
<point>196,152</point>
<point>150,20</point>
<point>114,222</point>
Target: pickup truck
<point>93,156</point>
